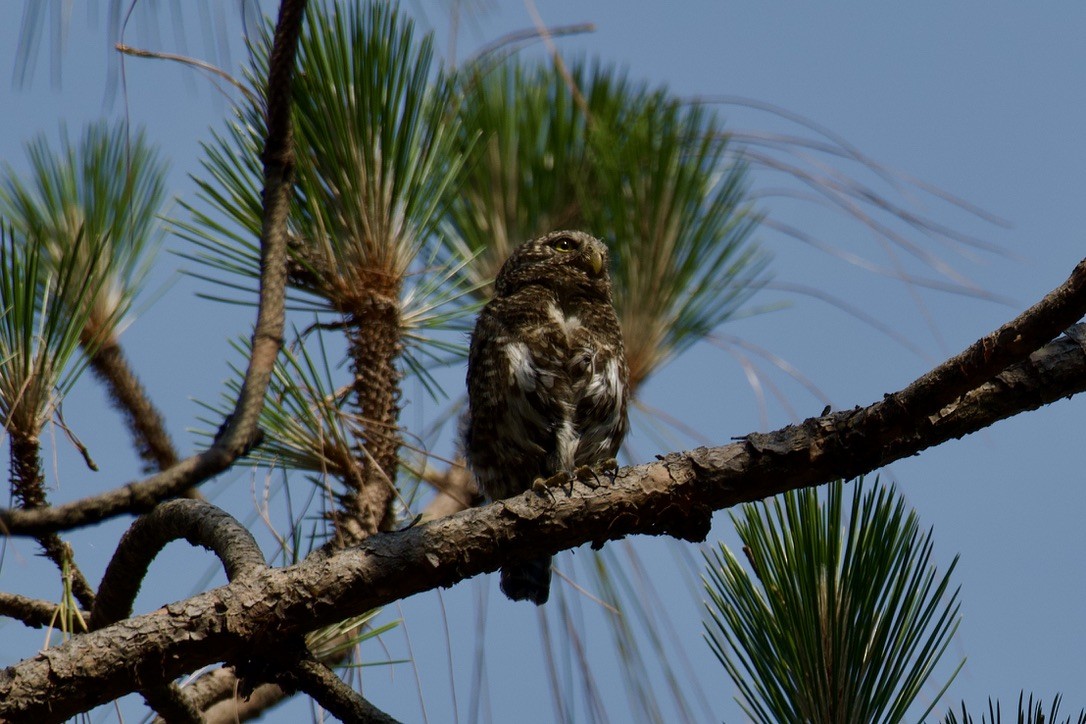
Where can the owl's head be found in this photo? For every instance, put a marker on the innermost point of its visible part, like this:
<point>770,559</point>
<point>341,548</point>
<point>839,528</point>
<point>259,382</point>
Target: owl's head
<point>564,261</point>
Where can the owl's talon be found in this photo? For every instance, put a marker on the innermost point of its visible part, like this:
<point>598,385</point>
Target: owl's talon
<point>589,475</point>
<point>586,475</point>
<point>547,485</point>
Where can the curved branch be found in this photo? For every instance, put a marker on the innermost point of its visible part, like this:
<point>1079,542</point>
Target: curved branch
<point>241,431</point>
<point>673,496</point>
<point>197,522</point>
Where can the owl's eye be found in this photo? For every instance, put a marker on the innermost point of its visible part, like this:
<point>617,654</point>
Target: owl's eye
<point>565,244</point>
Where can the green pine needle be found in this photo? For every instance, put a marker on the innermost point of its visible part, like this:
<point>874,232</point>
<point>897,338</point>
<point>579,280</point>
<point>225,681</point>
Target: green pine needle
<point>590,149</point>
<point>41,327</point>
<point>92,207</point>
<point>843,620</point>
<point>1029,712</point>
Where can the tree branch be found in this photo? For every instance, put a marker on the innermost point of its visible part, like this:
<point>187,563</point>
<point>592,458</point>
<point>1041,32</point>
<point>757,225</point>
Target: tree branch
<point>197,522</point>
<point>130,398</point>
<point>328,690</point>
<point>1011,343</point>
<point>673,496</point>
<point>241,431</point>
<point>32,611</point>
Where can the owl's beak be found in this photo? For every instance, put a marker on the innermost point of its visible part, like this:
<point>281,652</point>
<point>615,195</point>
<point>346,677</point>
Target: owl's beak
<point>595,260</point>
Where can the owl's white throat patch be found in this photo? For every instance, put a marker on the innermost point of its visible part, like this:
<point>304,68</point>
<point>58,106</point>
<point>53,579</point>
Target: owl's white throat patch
<point>568,323</point>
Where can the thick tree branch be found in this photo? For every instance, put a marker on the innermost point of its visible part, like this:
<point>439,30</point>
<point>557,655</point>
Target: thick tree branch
<point>241,432</point>
<point>673,496</point>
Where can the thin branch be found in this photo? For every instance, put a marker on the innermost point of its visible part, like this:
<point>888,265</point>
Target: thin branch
<point>185,60</point>
<point>1011,343</point>
<point>328,690</point>
<point>241,432</point>
<point>673,496</point>
<point>61,554</point>
<point>31,611</point>
<point>278,157</point>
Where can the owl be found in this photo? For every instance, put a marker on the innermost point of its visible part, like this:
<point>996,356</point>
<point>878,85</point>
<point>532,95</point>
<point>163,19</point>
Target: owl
<point>547,378</point>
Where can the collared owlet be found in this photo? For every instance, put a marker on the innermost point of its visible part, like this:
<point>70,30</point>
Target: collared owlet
<point>547,378</point>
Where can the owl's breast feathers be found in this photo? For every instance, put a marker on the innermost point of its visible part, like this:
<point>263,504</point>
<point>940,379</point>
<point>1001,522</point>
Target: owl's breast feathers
<point>562,376</point>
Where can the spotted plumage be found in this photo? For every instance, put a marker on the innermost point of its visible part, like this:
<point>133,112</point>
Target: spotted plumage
<point>547,378</point>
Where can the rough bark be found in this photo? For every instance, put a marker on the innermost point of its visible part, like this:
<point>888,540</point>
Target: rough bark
<point>199,523</point>
<point>672,496</point>
<point>373,334</point>
<point>28,489</point>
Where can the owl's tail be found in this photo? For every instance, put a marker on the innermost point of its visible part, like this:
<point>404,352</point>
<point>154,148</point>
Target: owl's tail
<point>528,581</point>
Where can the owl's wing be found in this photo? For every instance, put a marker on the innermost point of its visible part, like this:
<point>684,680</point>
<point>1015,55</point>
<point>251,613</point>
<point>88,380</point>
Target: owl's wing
<point>519,398</point>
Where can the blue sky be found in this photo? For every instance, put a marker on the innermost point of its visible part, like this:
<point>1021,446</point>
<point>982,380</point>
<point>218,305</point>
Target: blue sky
<point>984,100</point>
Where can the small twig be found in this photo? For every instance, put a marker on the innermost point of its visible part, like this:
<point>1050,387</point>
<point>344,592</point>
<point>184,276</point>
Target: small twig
<point>61,554</point>
<point>192,62</point>
<point>75,441</point>
<point>31,611</point>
